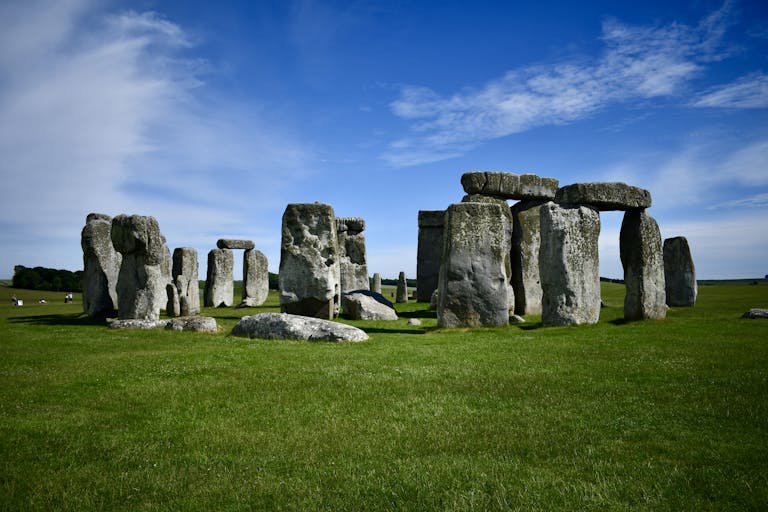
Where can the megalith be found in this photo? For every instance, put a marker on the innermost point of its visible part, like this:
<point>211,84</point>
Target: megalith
<point>643,262</point>
<point>429,252</point>
<point>309,276</point>
<point>569,264</point>
<point>376,283</point>
<point>228,243</point>
<point>679,272</point>
<point>604,196</point>
<point>138,239</point>
<point>185,277</point>
<point>219,282</point>
<point>473,285</point>
<point>173,306</point>
<point>353,266</point>
<point>507,185</point>
<point>401,294</point>
<point>255,278</point>
<point>166,266</point>
<point>526,240</point>
<point>101,266</point>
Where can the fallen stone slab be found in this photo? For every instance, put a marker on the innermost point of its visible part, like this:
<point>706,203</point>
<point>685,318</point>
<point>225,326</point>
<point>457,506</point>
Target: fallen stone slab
<point>756,313</point>
<point>606,196</point>
<point>227,243</point>
<point>284,326</point>
<point>509,185</point>
<point>359,306</point>
<point>137,324</point>
<point>184,323</point>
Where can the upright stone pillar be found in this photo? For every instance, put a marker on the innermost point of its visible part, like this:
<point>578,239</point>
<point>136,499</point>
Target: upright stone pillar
<point>138,239</point>
<point>401,296</point>
<point>526,240</point>
<point>309,276</point>
<point>353,265</point>
<point>166,265</point>
<point>185,277</point>
<point>377,283</point>
<point>474,272</point>
<point>569,265</point>
<point>101,266</point>
<point>219,283</point>
<point>679,273</point>
<point>643,262</point>
<point>255,278</point>
<point>429,252</point>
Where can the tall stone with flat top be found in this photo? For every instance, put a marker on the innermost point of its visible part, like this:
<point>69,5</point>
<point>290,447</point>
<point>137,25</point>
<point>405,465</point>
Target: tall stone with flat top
<point>474,275</point>
<point>353,265</point>
<point>185,277</point>
<point>401,294</point>
<point>643,262</point>
<point>569,265</point>
<point>255,278</point>
<point>526,240</point>
<point>429,252</point>
<point>309,275</point>
<point>219,283</point>
<point>679,272</point>
<point>101,266</point>
<point>139,240</point>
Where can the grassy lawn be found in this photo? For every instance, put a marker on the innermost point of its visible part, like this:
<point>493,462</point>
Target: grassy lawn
<point>669,415</point>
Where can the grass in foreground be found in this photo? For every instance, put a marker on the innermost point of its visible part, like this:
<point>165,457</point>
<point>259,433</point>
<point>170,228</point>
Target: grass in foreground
<point>669,415</point>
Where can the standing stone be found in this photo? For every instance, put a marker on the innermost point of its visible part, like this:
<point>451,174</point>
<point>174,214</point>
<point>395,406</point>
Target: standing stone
<point>353,266</point>
<point>173,306</point>
<point>255,278</point>
<point>376,283</point>
<point>401,296</point>
<point>569,265</point>
<point>166,270</point>
<point>101,266</point>
<point>139,240</point>
<point>309,276</point>
<point>526,240</point>
<point>474,274</point>
<point>679,273</point>
<point>643,262</point>
<point>429,252</point>
<point>185,277</point>
<point>219,283</point>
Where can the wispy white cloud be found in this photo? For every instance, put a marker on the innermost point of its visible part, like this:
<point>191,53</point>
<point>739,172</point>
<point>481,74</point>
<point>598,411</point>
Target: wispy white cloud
<point>747,92</point>
<point>638,62</point>
<point>755,201</point>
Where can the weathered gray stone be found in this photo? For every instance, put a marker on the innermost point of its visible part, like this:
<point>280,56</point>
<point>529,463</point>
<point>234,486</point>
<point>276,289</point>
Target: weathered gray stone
<point>166,265</point>
<point>569,265</point>
<point>185,276</point>
<point>433,300</point>
<point>480,198</point>
<point>429,252</point>
<point>137,324</point>
<point>376,283</point>
<point>139,241</point>
<point>509,185</point>
<point>226,243</point>
<point>401,295</point>
<point>474,275</point>
<point>414,321</point>
<point>643,262</point>
<point>219,283</point>
<point>755,313</point>
<point>279,326</point>
<point>353,265</point>
<point>192,323</point>
<point>605,196</point>
<point>679,273</point>
<point>101,266</point>
<point>172,308</point>
<point>309,275</point>
<point>359,306</point>
<point>255,278</point>
<point>526,240</point>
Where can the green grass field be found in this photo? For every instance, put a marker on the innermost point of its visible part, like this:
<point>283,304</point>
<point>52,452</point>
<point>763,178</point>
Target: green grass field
<point>669,415</point>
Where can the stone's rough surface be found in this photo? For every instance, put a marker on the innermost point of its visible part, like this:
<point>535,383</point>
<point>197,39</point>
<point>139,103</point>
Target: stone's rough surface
<point>679,273</point>
<point>255,278</point>
<point>219,283</point>
<point>433,300</point>
<point>353,266</point>
<point>280,326</point>
<point>429,252</point>
<point>474,274</point>
<point>402,289</point>
<point>376,283</point>
<point>172,308</point>
<point>309,276</point>
<point>138,239</point>
<point>359,306</point>
<point>101,266</point>
<point>568,265</point>
<point>526,240</point>
<point>192,323</point>
<point>605,196</point>
<point>643,262</point>
<point>185,276</point>
<point>375,296</point>
<point>137,324</point>
<point>480,198</point>
<point>755,313</point>
<point>225,243</point>
<point>166,265</point>
<point>508,185</point>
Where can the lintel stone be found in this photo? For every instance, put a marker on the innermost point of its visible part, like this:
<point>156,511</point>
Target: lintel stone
<point>507,185</point>
<point>226,243</point>
<point>605,196</point>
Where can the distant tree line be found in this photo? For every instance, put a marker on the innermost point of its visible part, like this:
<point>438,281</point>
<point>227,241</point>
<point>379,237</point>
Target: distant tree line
<point>393,282</point>
<point>40,278</point>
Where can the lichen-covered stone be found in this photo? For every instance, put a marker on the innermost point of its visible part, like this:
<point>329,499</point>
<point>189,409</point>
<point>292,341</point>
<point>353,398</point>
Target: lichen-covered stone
<point>376,283</point>
<point>401,295</point>
<point>605,196</point>
<point>185,277</point>
<point>283,326</point>
<point>361,306</point>
<point>353,265</point>
<point>101,266</point>
<point>679,273</point>
<point>219,283</point>
<point>526,240</point>
<point>474,275</point>
<point>429,251</point>
<point>309,276</point>
<point>643,262</point>
<point>569,265</point>
<point>255,278</point>
<point>509,185</point>
<point>227,243</point>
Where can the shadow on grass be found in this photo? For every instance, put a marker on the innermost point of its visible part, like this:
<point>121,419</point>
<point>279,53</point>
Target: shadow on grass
<point>75,319</point>
<point>420,313</point>
<point>382,330</point>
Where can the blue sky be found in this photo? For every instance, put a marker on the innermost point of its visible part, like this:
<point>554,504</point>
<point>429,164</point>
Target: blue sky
<point>212,116</point>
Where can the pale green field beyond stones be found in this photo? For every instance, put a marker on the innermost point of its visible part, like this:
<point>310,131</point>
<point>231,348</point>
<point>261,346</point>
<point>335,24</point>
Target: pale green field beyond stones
<point>657,415</point>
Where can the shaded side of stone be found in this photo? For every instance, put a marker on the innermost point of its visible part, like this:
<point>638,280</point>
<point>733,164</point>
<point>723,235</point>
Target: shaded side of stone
<point>219,282</point>
<point>429,251</point>
<point>643,262</point>
<point>173,307</point>
<point>526,240</point>
<point>679,273</point>
<point>401,296</point>
<point>185,276</point>
<point>605,196</point>
<point>255,278</point>
<point>509,185</point>
<point>101,267</point>
<point>353,265</point>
